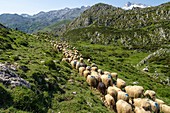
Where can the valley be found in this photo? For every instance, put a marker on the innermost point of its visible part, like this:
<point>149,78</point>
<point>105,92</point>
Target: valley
<point>116,40</point>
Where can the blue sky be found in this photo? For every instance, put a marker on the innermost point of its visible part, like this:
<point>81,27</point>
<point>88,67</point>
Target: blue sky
<point>35,6</point>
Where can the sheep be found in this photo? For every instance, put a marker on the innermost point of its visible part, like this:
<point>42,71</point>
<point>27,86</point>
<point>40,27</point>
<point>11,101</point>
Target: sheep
<point>87,72</point>
<point>142,102</point>
<point>88,60</point>
<point>110,101</point>
<point>100,72</point>
<point>112,92</point>
<point>81,60</point>
<point>94,68</point>
<point>134,91</point>
<point>107,80</point>
<point>93,65</point>
<point>150,94</point>
<point>73,63</point>
<point>120,83</point>
<point>92,81</point>
<point>159,101</point>
<point>122,96</point>
<point>154,106</point>
<point>65,59</point>
<point>116,88</point>
<point>102,88</point>
<point>106,72</point>
<point>164,108</point>
<point>70,59</point>
<point>123,107</point>
<point>81,70</point>
<point>96,75</point>
<point>114,75</point>
<point>77,65</point>
<point>140,110</point>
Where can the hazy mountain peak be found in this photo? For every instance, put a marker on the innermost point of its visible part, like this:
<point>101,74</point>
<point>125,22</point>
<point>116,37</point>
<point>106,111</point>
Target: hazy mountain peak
<point>130,5</point>
<point>26,15</point>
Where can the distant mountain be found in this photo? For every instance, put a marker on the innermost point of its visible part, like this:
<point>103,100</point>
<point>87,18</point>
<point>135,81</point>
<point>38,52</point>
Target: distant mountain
<point>146,28</point>
<point>30,24</point>
<point>130,5</point>
<point>25,15</point>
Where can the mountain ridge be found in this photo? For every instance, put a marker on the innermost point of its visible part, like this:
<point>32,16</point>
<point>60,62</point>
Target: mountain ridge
<point>130,6</point>
<point>30,24</point>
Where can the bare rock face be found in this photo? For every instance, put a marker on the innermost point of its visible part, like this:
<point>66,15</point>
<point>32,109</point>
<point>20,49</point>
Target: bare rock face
<point>9,77</point>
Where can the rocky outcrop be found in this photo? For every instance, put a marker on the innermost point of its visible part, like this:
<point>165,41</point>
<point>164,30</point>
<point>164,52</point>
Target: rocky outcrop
<point>159,52</point>
<point>9,77</point>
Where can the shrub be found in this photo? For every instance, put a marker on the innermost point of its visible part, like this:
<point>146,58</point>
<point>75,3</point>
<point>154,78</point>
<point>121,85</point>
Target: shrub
<point>50,64</point>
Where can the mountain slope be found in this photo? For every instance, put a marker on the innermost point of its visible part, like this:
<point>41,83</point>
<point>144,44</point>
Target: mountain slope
<point>106,15</point>
<point>135,29</point>
<point>36,61</point>
<point>119,40</point>
<point>38,21</point>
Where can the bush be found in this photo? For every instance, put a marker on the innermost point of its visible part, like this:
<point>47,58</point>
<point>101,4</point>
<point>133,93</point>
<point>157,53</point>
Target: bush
<point>25,99</point>
<point>50,64</point>
<point>5,97</point>
<point>23,42</point>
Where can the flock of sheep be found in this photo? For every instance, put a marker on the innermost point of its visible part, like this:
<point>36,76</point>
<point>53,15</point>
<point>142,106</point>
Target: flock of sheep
<point>116,95</point>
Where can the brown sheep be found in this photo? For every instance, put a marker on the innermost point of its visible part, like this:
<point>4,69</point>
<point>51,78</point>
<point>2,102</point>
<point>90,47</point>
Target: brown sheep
<point>123,107</point>
<point>81,70</point>
<point>102,88</point>
<point>120,83</point>
<point>110,101</point>
<point>92,81</point>
<point>150,94</point>
<point>140,110</point>
<point>164,108</point>
<point>112,92</point>
<point>107,80</point>
<point>122,96</point>
<point>134,91</point>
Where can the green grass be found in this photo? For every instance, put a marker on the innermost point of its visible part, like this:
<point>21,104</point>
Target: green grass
<point>50,90</point>
<point>123,61</point>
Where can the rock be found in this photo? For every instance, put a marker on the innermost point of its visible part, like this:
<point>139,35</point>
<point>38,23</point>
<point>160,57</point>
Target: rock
<point>74,93</point>
<point>135,83</point>
<point>9,77</point>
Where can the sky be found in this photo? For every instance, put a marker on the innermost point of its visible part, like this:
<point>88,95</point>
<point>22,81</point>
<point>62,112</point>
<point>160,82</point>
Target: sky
<point>34,6</point>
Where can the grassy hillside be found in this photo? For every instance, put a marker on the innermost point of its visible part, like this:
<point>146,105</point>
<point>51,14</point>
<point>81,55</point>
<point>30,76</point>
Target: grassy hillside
<point>146,38</point>
<point>49,78</point>
<point>119,40</point>
<point>124,62</point>
<point>109,16</point>
<point>56,28</point>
